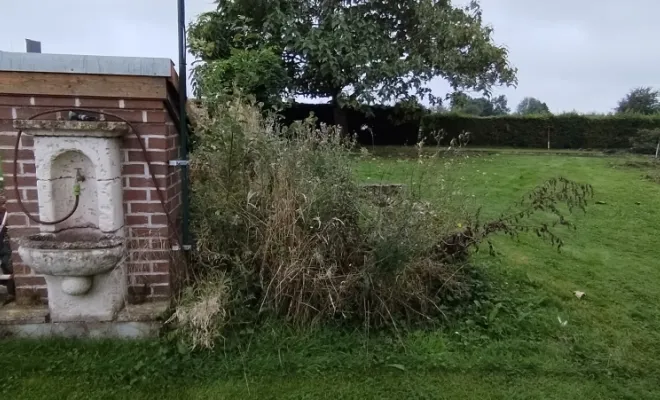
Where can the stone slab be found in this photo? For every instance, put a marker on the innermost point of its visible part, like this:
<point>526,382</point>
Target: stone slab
<point>101,303</point>
<point>133,322</point>
<point>98,129</point>
<point>83,330</point>
<point>153,311</point>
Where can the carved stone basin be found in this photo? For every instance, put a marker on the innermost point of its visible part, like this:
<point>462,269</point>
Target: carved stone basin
<point>77,255</point>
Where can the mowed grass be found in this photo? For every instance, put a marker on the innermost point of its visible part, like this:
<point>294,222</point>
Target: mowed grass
<point>532,338</point>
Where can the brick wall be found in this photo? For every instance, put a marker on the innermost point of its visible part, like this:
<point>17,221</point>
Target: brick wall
<point>151,264</point>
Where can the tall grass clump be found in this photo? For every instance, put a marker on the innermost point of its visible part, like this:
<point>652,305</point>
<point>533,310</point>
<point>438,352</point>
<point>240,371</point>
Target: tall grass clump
<point>285,230</point>
<point>281,211</point>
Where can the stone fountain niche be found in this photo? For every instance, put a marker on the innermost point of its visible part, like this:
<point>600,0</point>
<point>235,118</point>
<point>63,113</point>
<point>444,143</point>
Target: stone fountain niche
<point>81,257</point>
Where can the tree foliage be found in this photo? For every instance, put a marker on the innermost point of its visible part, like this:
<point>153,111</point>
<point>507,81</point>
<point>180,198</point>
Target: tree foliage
<point>532,106</point>
<point>641,100</point>
<point>259,73</point>
<point>360,51</point>
<point>480,106</point>
<point>500,106</point>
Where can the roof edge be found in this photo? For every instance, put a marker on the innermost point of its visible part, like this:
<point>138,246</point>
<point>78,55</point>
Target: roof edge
<point>85,64</point>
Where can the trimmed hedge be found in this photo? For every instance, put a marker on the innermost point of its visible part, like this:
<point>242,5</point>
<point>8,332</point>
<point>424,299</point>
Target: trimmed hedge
<point>388,126</point>
<point>400,126</point>
<point>566,131</point>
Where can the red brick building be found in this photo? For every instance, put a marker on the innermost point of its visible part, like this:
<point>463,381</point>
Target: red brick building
<point>144,92</point>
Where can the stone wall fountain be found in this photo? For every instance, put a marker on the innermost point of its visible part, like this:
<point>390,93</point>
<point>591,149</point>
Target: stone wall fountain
<point>96,209</point>
<point>78,167</point>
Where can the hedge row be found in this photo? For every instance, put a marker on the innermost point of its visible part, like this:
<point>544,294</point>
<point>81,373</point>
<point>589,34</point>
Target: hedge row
<point>397,126</point>
<point>387,125</point>
<point>563,131</point>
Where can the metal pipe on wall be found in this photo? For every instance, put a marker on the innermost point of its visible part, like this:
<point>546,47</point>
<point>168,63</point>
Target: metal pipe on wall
<point>183,127</point>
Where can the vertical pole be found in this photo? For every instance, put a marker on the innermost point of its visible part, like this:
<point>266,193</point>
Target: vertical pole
<point>183,127</point>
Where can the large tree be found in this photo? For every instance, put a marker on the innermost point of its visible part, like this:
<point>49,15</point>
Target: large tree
<point>500,105</point>
<point>479,106</point>
<point>531,105</point>
<point>641,100</point>
<point>360,51</point>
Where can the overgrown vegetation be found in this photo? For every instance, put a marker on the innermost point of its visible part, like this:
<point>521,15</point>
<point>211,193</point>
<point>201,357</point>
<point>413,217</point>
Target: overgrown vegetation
<point>282,218</point>
<point>281,210</point>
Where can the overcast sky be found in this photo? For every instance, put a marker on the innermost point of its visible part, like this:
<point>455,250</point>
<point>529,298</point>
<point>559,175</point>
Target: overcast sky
<point>579,55</point>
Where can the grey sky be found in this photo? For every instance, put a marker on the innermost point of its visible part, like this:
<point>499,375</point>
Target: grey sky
<point>579,55</point>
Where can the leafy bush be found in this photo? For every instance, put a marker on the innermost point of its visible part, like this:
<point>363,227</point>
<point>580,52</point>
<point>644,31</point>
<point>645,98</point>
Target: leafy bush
<point>259,73</point>
<point>280,216</point>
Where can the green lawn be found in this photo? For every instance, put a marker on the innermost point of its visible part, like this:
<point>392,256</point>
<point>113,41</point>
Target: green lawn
<point>609,348</point>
